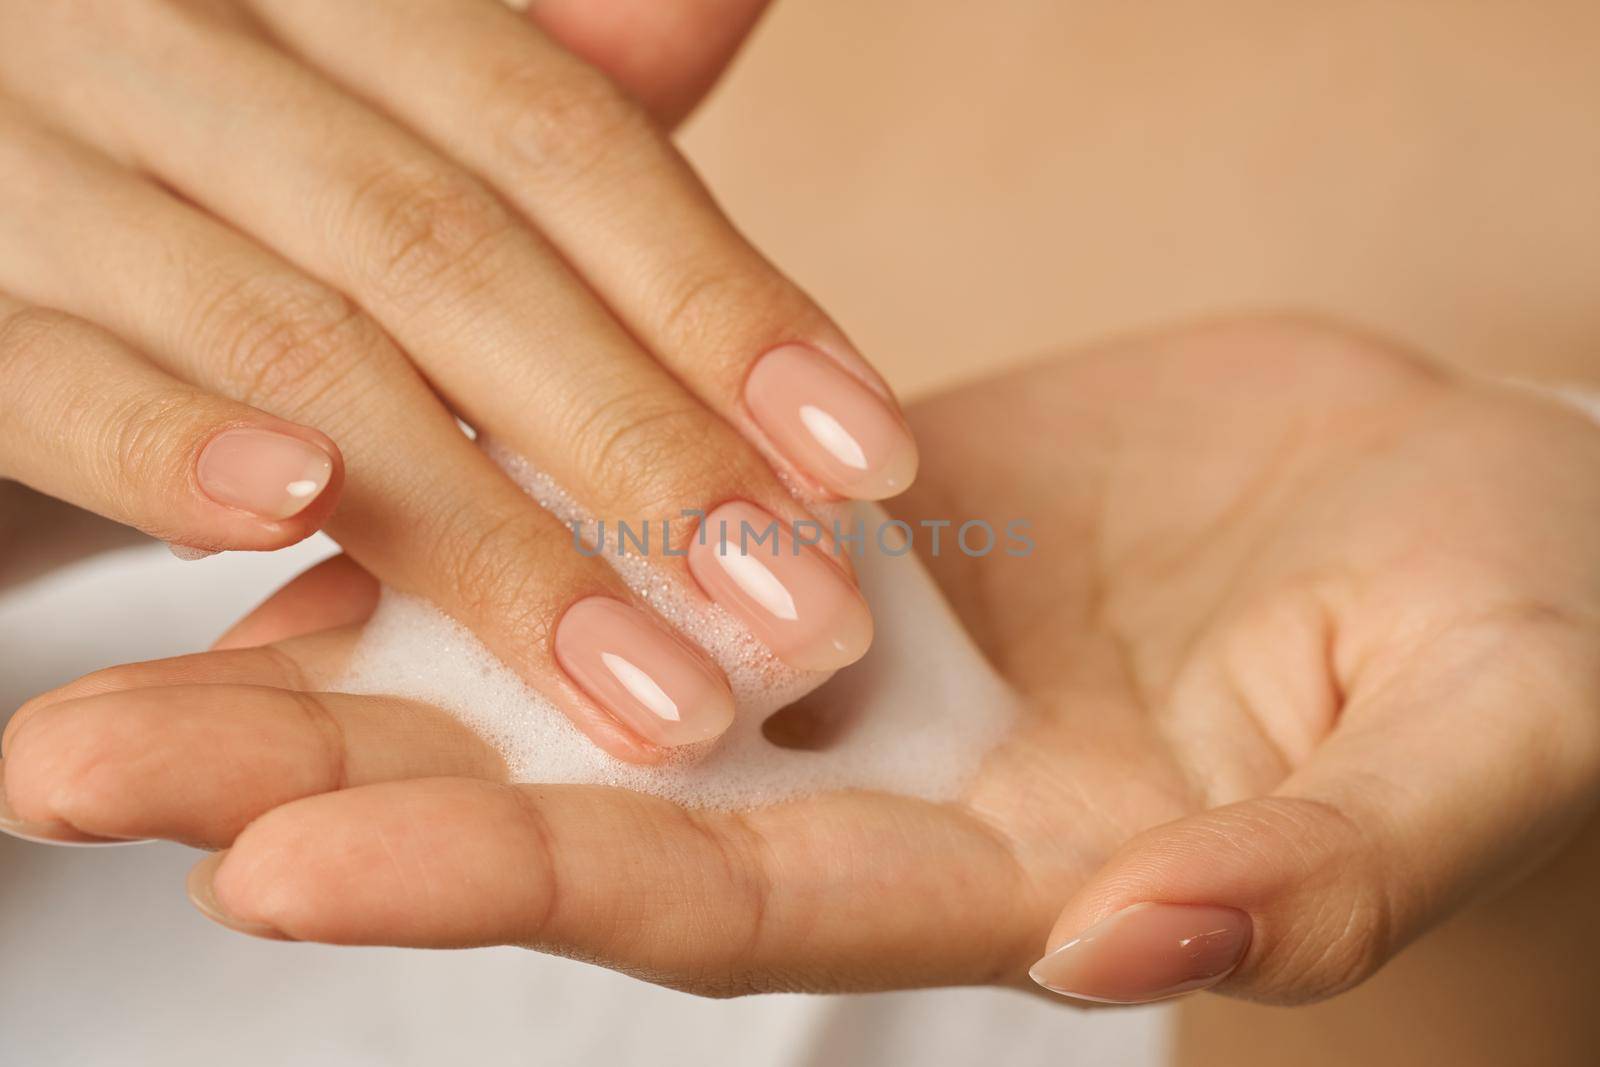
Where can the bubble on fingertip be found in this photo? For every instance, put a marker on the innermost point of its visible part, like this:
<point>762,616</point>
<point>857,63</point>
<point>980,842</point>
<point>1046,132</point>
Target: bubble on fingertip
<point>915,717</point>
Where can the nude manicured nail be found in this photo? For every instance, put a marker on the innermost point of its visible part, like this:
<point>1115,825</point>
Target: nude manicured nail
<point>1147,952</point>
<point>265,473</point>
<point>793,599</point>
<point>642,673</point>
<point>203,894</point>
<point>831,424</point>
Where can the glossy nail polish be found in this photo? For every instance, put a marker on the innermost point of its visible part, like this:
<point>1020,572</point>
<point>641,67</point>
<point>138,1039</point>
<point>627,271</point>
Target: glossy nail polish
<point>831,424</point>
<point>1147,952</point>
<point>269,474</point>
<point>643,673</point>
<point>795,601</point>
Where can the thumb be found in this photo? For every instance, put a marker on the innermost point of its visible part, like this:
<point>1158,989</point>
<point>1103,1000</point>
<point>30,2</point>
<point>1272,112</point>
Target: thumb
<point>1446,781</point>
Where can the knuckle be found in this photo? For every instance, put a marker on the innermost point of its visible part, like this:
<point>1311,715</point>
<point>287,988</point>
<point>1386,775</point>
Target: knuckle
<point>543,888</point>
<point>430,231</point>
<point>561,128</point>
<point>1346,916</point>
<point>33,338</point>
<point>328,731</point>
<point>282,342</point>
<point>144,438</point>
<point>491,574</point>
<point>715,309</point>
<point>633,445</point>
<point>1347,941</point>
<point>749,886</point>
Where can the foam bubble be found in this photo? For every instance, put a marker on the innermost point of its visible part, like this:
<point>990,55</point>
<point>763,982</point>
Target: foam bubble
<point>916,715</point>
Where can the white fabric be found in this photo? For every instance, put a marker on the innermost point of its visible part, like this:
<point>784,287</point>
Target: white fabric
<point>102,961</point>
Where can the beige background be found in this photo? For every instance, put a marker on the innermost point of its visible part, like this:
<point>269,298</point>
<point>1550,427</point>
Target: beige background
<point>963,183</point>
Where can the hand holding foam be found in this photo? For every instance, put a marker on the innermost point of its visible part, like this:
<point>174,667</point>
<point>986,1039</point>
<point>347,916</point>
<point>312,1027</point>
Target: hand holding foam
<point>1275,569</point>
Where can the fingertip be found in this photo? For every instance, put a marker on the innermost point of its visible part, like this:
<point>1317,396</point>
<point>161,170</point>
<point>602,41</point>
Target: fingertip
<point>260,486</point>
<point>841,427</point>
<point>53,832</point>
<point>233,506</point>
<point>203,894</point>
<point>666,691</point>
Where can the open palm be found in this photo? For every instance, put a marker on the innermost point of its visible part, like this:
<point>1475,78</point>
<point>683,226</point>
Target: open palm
<point>1309,631</point>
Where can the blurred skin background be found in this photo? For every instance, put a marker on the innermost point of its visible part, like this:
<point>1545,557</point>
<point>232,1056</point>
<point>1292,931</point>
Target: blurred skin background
<point>964,186</point>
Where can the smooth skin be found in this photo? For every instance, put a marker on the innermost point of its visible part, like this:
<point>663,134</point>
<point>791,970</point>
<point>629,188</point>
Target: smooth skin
<point>1309,634</point>
<point>371,218</point>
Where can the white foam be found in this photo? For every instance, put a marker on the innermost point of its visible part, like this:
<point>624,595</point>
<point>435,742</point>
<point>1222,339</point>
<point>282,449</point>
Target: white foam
<point>919,712</point>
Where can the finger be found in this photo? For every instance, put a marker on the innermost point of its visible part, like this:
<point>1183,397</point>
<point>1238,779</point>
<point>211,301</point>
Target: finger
<point>447,270</point>
<point>334,593</point>
<point>92,422</point>
<point>606,185</point>
<point>197,763</point>
<point>317,659</point>
<point>304,664</point>
<point>667,54</point>
<point>1419,800</point>
<point>714,902</point>
<point>426,511</point>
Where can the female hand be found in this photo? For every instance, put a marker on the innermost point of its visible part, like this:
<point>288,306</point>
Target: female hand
<point>1308,649</point>
<point>371,217</point>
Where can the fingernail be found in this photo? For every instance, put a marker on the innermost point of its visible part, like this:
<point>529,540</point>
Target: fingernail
<point>643,673</point>
<point>265,473</point>
<point>1147,952</point>
<point>795,602</point>
<point>45,833</point>
<point>203,894</point>
<point>831,424</point>
<point>188,553</point>
<point>14,825</point>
